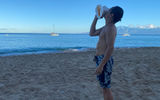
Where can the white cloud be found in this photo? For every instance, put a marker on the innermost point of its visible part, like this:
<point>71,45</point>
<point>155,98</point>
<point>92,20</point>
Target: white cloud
<point>149,26</point>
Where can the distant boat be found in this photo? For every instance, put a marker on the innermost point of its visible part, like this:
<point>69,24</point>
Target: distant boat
<point>54,34</point>
<point>126,34</point>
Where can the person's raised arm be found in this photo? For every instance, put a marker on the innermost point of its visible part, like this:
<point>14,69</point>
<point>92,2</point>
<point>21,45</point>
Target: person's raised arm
<point>93,31</point>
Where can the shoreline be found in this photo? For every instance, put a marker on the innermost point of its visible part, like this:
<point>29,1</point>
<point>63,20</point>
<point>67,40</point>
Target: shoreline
<point>63,51</point>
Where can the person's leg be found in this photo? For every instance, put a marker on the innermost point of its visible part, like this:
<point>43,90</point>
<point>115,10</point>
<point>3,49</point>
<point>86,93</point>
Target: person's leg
<point>107,94</point>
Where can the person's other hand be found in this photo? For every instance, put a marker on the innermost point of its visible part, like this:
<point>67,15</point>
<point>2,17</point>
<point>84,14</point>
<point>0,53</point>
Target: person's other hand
<point>99,70</point>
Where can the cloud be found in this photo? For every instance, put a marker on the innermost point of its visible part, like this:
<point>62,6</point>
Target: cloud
<point>149,26</point>
<point>139,29</point>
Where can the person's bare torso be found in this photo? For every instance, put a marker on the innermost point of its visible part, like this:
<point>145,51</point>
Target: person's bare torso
<point>102,42</point>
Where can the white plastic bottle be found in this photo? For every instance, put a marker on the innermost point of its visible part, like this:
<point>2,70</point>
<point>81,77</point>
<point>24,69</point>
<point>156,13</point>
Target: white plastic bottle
<point>100,10</point>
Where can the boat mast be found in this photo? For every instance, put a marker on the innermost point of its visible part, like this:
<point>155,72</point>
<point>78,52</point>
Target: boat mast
<point>53,28</point>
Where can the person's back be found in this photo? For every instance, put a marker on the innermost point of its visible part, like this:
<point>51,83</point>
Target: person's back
<point>105,47</point>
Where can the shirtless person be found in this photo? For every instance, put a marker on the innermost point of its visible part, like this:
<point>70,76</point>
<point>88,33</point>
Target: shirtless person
<point>105,47</point>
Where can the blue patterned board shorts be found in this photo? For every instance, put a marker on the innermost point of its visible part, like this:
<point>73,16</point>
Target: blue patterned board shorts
<point>105,77</point>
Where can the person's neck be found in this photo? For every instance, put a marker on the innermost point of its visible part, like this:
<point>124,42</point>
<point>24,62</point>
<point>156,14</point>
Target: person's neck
<point>109,23</point>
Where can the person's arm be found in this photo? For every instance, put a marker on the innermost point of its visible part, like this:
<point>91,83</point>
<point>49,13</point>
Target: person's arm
<point>110,38</point>
<point>93,31</point>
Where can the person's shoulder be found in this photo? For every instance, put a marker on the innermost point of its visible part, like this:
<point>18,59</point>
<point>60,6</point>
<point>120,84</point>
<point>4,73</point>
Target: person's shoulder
<point>112,27</point>
<point>111,30</point>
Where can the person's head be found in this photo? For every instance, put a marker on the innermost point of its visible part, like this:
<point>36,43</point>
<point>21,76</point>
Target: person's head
<point>114,14</point>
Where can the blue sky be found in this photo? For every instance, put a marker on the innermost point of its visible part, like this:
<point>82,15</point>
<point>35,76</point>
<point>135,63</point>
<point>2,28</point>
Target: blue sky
<point>70,16</point>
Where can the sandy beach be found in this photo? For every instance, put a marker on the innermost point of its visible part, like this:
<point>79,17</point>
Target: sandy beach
<point>70,76</point>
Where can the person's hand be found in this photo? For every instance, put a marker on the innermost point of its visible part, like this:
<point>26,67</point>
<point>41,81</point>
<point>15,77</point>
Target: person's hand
<point>102,16</point>
<point>99,70</point>
<point>104,13</point>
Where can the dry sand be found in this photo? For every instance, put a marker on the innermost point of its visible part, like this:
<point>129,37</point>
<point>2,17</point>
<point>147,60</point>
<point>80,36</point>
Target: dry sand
<point>70,76</point>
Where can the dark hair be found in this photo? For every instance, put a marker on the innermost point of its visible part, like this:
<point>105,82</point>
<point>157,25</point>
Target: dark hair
<point>117,13</point>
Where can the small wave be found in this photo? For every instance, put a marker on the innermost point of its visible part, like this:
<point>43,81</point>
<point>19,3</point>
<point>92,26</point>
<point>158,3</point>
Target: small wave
<point>6,52</point>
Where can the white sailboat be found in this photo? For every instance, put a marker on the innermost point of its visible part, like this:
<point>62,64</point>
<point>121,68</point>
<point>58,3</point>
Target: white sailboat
<point>126,34</point>
<point>53,33</point>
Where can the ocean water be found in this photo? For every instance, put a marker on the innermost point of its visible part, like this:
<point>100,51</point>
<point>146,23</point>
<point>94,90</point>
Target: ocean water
<point>15,44</point>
